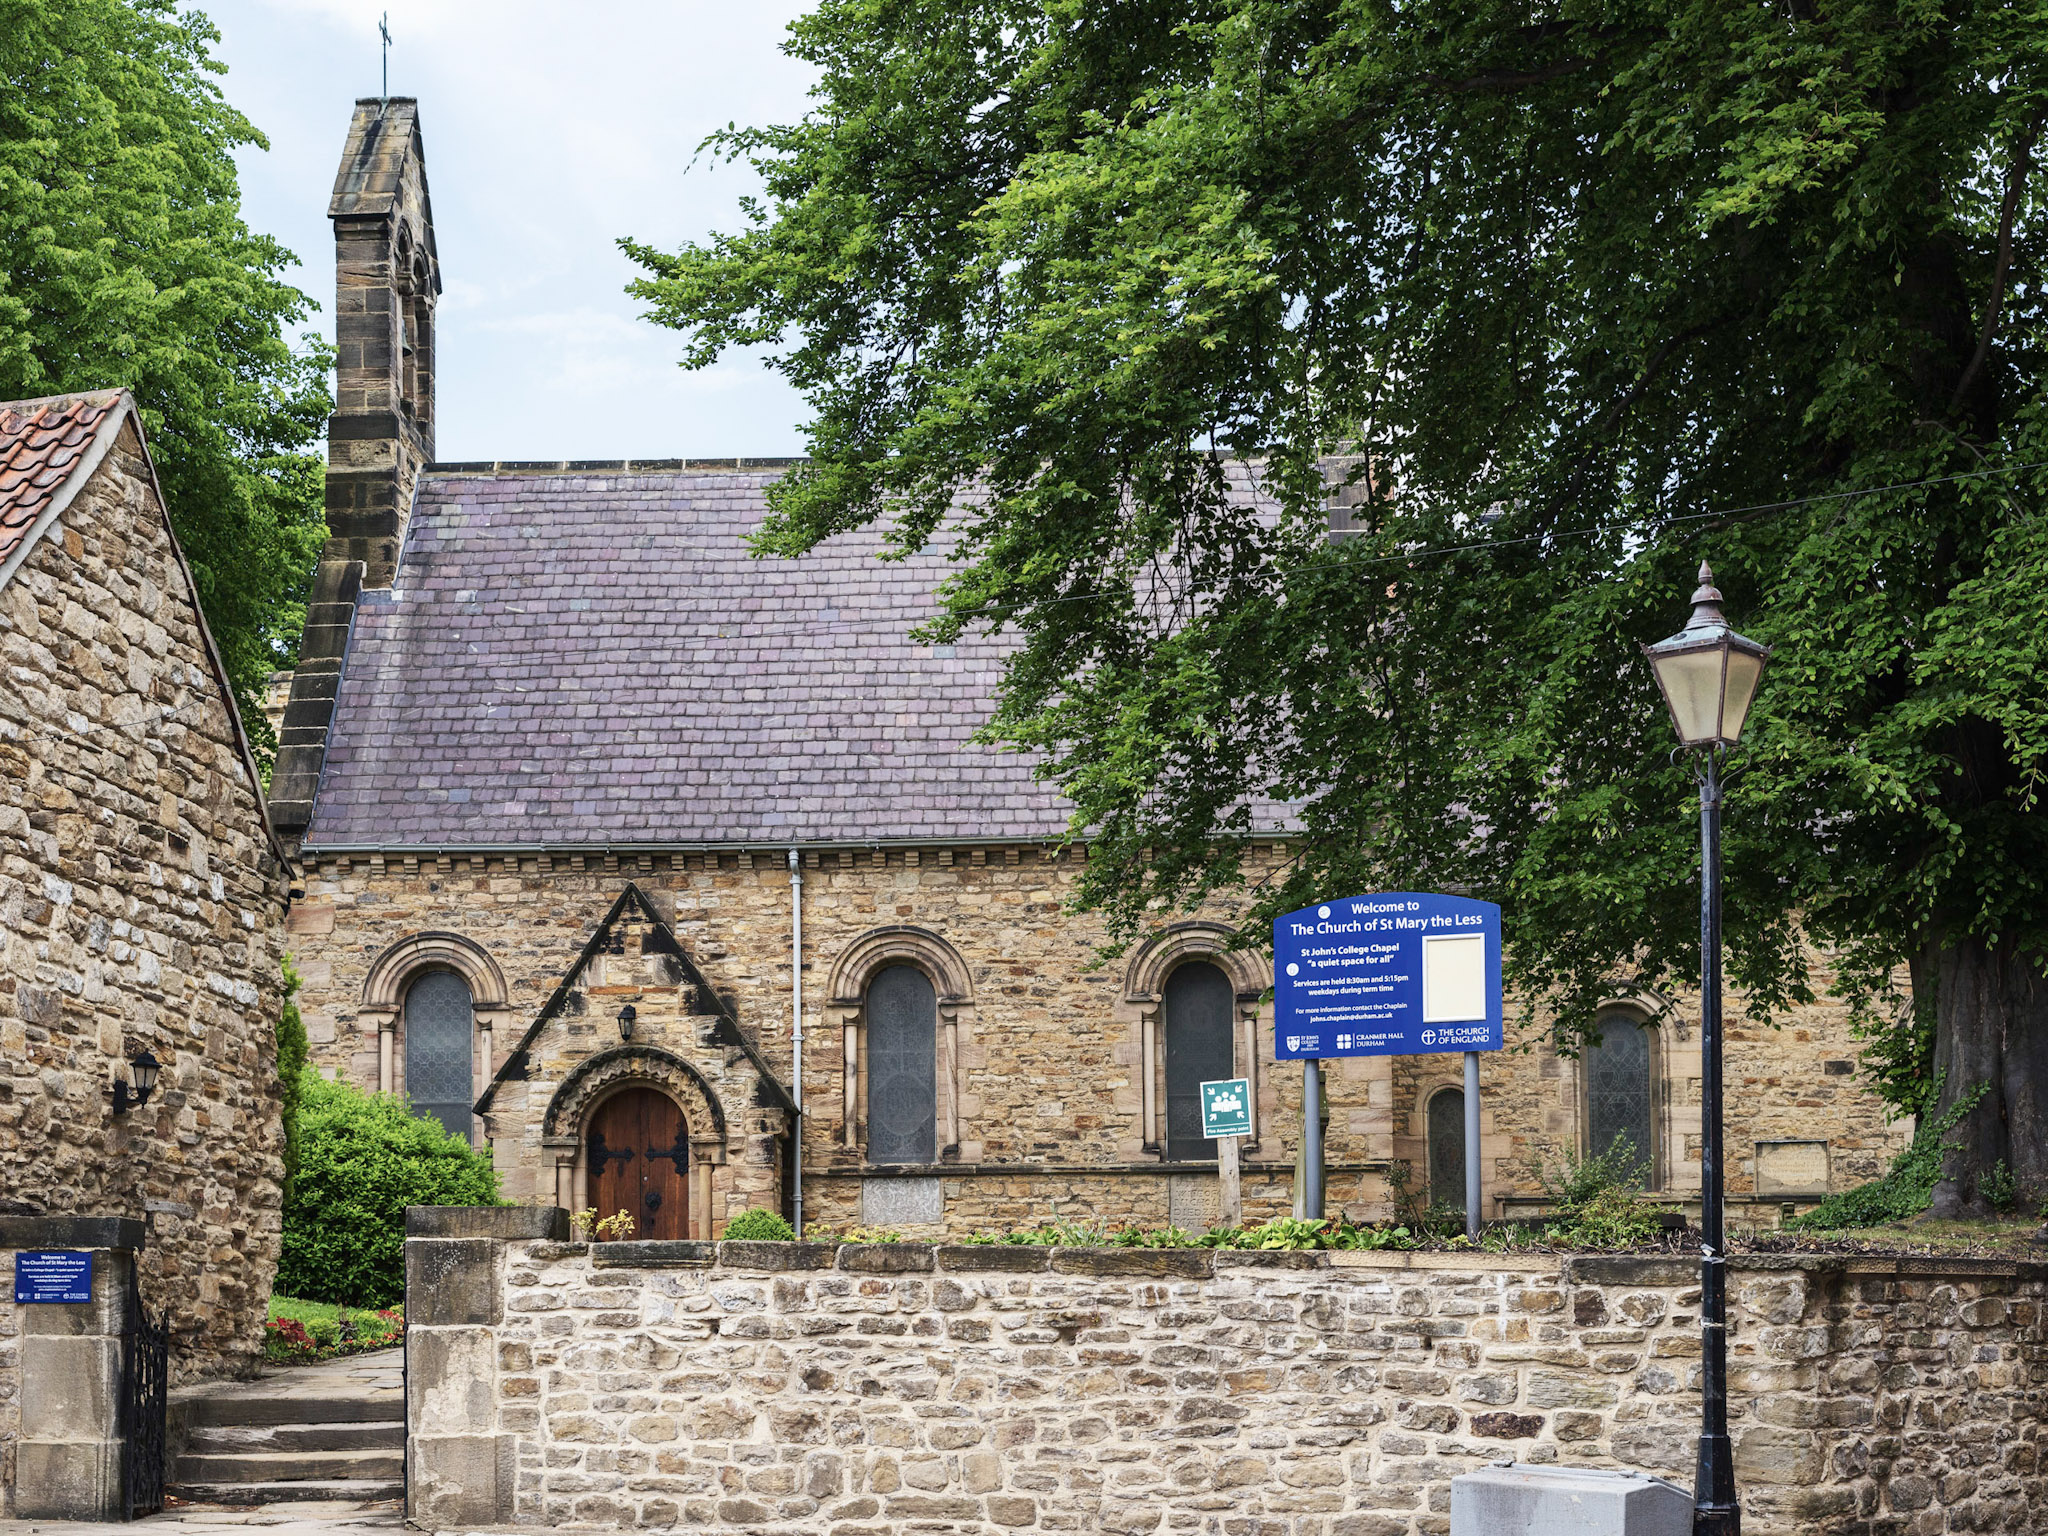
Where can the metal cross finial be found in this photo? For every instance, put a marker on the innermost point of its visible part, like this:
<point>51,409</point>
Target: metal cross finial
<point>384,31</point>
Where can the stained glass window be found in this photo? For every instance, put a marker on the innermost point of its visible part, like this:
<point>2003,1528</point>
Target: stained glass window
<point>1619,1091</point>
<point>1198,1009</point>
<point>438,1054</point>
<point>1447,1148</point>
<point>903,1024</point>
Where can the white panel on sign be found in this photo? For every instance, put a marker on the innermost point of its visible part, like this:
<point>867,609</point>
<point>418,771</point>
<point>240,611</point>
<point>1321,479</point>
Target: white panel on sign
<point>1454,978</point>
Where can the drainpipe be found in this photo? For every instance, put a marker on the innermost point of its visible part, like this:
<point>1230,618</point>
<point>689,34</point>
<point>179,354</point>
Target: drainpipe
<point>796,1033</point>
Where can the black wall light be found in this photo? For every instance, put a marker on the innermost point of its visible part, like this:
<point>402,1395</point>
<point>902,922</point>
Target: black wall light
<point>627,1015</point>
<point>143,1068</point>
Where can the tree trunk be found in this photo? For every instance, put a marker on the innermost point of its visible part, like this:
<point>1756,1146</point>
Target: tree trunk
<point>1991,1028</point>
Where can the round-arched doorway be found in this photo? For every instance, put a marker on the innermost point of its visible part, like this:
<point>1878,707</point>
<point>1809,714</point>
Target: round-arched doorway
<point>637,1159</point>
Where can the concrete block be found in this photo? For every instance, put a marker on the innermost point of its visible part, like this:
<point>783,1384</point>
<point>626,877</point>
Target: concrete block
<point>508,1223</point>
<point>460,1480</point>
<point>70,1386</point>
<point>68,1480</point>
<point>106,1313</point>
<point>451,1381</point>
<point>685,1253</point>
<point>71,1232</point>
<point>451,1280</point>
<point>1517,1500</point>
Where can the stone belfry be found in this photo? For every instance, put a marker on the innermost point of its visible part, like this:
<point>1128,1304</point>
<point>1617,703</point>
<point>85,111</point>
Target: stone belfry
<point>387,276</point>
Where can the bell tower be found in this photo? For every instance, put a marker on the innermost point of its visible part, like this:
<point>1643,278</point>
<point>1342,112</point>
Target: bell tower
<point>387,279</point>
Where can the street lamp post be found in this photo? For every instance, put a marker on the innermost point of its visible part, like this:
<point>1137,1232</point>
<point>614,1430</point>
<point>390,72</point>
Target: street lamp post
<point>1708,675</point>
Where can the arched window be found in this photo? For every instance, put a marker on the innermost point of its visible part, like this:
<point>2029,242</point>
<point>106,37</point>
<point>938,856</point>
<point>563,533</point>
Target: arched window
<point>902,1028</point>
<point>1447,1147</point>
<point>1620,1091</point>
<point>1198,1006</point>
<point>439,1049</point>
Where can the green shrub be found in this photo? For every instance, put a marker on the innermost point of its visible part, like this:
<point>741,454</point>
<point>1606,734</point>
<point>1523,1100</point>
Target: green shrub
<point>291,1067</point>
<point>363,1158</point>
<point>1908,1185</point>
<point>1599,1199</point>
<point>1574,1180</point>
<point>758,1226</point>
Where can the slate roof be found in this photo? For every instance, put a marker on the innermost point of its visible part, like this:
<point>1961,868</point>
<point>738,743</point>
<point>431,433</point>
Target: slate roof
<point>583,658</point>
<point>43,443</point>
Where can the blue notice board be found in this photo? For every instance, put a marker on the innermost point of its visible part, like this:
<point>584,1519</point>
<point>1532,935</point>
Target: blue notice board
<point>52,1276</point>
<point>1404,973</point>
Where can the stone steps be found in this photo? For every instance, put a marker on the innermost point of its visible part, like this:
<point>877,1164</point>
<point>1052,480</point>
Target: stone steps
<point>290,1467</point>
<point>258,1407</point>
<point>340,1491</point>
<point>246,1439</point>
<point>331,1432</point>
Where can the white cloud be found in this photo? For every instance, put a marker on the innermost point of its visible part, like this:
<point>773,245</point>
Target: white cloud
<point>550,132</point>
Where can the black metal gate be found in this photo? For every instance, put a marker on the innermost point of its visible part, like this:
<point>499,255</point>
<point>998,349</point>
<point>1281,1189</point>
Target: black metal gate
<point>145,1363</point>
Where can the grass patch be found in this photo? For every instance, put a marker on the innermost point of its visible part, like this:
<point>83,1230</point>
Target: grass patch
<point>301,1332</point>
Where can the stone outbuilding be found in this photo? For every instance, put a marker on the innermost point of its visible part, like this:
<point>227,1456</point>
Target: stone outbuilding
<point>142,892</point>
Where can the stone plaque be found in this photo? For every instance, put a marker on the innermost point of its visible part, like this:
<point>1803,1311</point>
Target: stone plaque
<point>902,1202</point>
<point>1790,1170</point>
<point>1191,1201</point>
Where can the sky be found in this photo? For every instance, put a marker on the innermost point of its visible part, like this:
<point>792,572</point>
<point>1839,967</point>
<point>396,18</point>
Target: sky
<point>550,131</point>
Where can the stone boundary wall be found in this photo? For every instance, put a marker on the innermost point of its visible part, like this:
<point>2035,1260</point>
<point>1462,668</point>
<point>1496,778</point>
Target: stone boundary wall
<point>862,1390</point>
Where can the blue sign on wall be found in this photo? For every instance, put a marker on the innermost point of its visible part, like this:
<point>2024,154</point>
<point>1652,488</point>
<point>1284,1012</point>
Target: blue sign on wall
<point>1399,974</point>
<point>52,1276</point>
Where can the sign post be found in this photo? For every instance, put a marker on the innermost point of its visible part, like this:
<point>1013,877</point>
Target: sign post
<point>1227,1116</point>
<point>1401,973</point>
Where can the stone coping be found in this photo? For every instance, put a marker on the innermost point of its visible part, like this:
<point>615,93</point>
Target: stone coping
<point>72,1232</point>
<point>1203,1263</point>
<point>510,1223</point>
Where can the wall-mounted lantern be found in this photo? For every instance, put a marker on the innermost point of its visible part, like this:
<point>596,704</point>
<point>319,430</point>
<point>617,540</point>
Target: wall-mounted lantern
<point>142,1071</point>
<point>627,1015</point>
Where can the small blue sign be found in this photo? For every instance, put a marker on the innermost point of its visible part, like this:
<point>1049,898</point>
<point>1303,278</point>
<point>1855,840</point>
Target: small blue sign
<point>1405,973</point>
<point>52,1276</point>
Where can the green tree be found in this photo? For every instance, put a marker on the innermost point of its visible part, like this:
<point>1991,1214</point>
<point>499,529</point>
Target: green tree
<point>124,261</point>
<point>1595,290</point>
<point>363,1158</point>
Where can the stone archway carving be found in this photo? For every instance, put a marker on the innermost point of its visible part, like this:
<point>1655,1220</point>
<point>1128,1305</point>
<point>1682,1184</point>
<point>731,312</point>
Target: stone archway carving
<point>393,971</point>
<point>641,1066</point>
<point>845,1011</point>
<point>1143,995</point>
<point>567,1119</point>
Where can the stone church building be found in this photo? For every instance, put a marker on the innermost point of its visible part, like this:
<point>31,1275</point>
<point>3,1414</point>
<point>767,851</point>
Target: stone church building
<point>602,821</point>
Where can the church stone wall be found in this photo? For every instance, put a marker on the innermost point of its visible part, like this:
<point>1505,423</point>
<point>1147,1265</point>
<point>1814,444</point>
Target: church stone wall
<point>1050,1061</point>
<point>892,1389</point>
<point>140,905</point>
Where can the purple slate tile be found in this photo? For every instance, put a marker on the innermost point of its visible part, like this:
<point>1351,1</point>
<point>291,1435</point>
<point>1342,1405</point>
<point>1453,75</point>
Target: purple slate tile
<point>565,659</point>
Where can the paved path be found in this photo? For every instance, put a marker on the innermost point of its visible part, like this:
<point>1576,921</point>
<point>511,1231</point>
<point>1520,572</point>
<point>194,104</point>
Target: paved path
<point>378,1375</point>
<point>308,1519</point>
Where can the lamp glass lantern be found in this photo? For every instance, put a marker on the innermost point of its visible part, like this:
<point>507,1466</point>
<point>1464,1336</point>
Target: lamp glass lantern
<point>1708,673</point>
<point>142,1073</point>
<point>627,1015</point>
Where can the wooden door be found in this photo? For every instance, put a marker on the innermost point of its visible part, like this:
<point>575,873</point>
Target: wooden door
<point>639,1153</point>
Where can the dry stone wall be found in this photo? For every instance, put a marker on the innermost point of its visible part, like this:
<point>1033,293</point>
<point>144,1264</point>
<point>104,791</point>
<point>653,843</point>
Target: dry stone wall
<point>140,905</point>
<point>885,1389</point>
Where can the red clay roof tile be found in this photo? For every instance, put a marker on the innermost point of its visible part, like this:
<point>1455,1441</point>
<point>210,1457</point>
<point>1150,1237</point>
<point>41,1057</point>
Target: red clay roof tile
<point>41,443</point>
